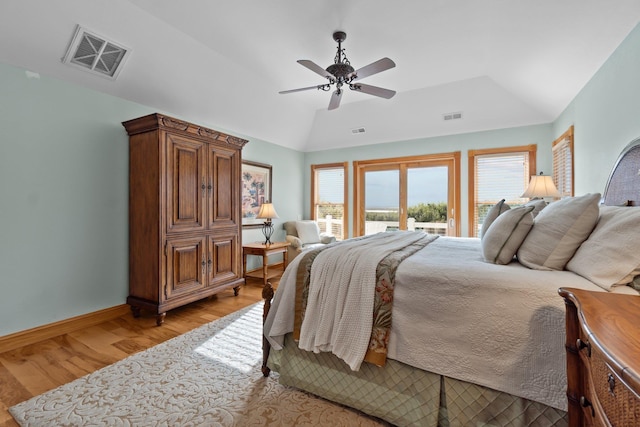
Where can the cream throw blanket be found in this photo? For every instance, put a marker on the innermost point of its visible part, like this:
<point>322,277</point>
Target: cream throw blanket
<point>338,316</point>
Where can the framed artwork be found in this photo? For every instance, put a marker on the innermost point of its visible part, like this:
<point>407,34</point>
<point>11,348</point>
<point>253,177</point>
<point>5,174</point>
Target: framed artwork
<point>256,189</point>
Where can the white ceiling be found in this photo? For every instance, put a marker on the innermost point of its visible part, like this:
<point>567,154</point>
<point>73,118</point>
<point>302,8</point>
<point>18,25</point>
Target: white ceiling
<point>502,63</point>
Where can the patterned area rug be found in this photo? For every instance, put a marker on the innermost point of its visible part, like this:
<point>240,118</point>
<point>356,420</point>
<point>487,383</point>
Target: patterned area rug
<point>207,377</point>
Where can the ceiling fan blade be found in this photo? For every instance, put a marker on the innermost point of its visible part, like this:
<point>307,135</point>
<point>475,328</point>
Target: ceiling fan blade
<point>335,99</point>
<point>373,68</point>
<point>301,89</point>
<point>373,90</point>
<point>316,68</point>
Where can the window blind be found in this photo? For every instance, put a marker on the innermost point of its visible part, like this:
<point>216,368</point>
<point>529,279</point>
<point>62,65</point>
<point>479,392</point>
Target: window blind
<point>563,165</point>
<point>330,185</point>
<point>499,176</point>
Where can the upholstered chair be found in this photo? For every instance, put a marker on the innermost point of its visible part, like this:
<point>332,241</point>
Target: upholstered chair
<point>304,235</point>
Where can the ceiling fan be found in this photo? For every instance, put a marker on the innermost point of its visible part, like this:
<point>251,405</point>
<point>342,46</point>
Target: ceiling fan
<point>342,73</point>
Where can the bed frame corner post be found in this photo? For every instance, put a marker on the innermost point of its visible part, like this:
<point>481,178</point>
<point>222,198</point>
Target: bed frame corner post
<point>267,295</point>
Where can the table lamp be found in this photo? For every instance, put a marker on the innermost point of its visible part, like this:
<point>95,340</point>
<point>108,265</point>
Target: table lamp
<point>541,186</point>
<point>267,212</point>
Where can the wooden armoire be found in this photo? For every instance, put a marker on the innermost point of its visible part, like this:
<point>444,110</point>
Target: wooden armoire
<point>184,213</point>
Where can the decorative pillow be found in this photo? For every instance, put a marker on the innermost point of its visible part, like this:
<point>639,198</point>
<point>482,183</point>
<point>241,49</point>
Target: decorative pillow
<point>610,256</point>
<point>308,232</point>
<point>493,213</point>
<point>558,231</point>
<point>505,235</point>
<point>538,205</point>
<point>290,228</point>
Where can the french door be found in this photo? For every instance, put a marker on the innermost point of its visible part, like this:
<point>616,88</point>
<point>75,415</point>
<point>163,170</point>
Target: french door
<point>409,193</point>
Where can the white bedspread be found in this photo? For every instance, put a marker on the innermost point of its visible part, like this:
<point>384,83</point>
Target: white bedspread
<point>498,326</point>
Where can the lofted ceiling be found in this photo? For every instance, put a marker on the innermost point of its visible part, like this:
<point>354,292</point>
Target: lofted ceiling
<point>501,63</point>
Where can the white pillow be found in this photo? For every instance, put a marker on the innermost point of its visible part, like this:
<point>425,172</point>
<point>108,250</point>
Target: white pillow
<point>611,254</point>
<point>558,231</point>
<point>493,213</point>
<point>308,231</point>
<point>538,205</point>
<point>503,238</point>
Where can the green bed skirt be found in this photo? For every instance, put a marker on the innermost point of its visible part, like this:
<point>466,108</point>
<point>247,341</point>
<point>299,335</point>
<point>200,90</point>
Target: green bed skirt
<point>407,396</point>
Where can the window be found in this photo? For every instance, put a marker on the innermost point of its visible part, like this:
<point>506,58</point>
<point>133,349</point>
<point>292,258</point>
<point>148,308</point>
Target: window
<point>496,174</point>
<point>328,198</point>
<point>562,149</point>
<point>408,193</point>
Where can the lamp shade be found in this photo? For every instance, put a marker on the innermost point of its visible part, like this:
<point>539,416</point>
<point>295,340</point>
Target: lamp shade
<point>267,211</point>
<point>541,186</point>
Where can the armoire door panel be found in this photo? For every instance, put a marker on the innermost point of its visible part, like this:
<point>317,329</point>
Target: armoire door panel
<point>222,169</point>
<point>186,184</point>
<point>224,265</point>
<point>186,266</point>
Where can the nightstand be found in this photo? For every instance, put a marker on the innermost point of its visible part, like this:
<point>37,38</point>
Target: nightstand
<point>260,249</point>
<point>603,363</point>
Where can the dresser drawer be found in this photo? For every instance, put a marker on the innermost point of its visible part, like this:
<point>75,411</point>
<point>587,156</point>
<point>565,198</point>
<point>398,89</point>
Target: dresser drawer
<point>621,405</point>
<point>603,363</point>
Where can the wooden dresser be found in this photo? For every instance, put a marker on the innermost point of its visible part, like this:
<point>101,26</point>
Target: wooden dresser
<point>184,213</point>
<point>603,358</point>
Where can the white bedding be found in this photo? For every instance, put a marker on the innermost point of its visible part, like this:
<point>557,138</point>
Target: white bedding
<point>500,326</point>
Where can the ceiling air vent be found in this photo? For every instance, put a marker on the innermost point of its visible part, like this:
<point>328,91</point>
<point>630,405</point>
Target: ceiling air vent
<point>95,54</point>
<point>452,116</point>
<point>357,131</point>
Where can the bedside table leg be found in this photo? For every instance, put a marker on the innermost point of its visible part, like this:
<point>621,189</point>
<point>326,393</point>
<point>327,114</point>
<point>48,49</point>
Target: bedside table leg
<point>265,260</point>
<point>244,266</point>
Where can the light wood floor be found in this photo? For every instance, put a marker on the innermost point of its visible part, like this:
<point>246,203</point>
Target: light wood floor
<point>34,369</point>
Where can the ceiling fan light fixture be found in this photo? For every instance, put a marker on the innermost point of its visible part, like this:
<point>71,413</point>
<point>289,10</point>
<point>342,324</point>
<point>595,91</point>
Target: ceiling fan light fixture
<point>340,70</point>
<point>341,73</point>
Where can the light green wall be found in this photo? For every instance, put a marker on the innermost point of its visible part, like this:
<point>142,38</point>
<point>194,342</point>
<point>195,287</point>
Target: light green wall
<point>64,179</point>
<point>606,115</point>
<point>288,188</point>
<point>540,135</point>
<point>63,198</point>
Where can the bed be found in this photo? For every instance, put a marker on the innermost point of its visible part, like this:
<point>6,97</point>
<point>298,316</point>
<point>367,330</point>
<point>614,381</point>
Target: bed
<point>477,331</point>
